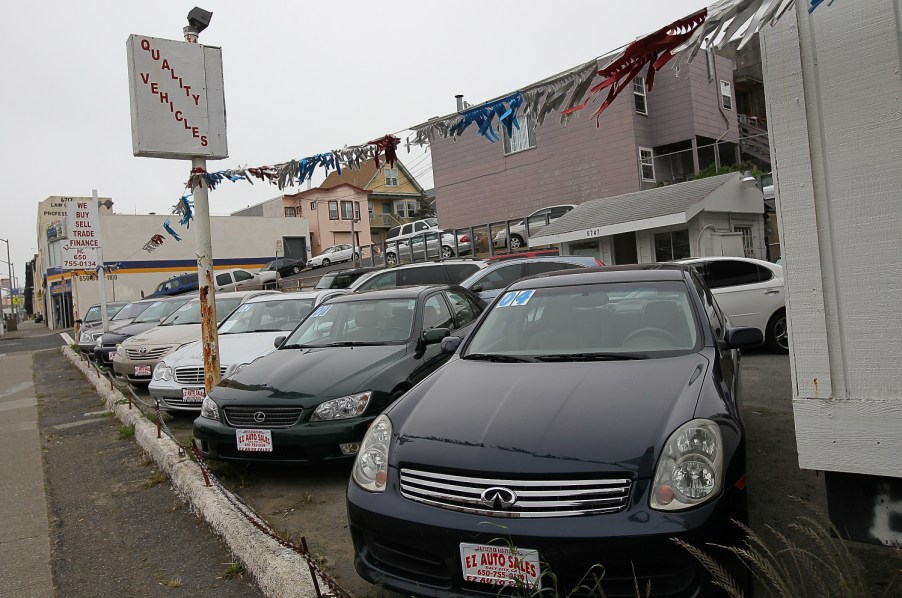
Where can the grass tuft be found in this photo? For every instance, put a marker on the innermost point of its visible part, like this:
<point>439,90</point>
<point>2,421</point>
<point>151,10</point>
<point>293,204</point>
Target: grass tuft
<point>156,478</point>
<point>233,571</point>
<point>126,432</point>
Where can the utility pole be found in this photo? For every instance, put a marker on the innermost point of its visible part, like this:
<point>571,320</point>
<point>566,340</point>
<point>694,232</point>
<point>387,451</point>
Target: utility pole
<point>198,20</point>
<point>101,270</point>
<point>12,306</point>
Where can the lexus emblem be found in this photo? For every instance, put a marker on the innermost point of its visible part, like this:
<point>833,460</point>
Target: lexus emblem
<point>498,498</point>
<point>142,350</point>
<point>259,417</point>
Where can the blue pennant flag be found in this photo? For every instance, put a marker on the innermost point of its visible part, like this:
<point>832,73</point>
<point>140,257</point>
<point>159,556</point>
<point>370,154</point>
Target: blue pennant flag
<point>170,231</point>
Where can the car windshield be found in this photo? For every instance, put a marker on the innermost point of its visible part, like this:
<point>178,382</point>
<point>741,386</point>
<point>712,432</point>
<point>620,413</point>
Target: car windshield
<point>363,322</point>
<point>93,314</point>
<point>130,311</point>
<point>588,322</point>
<point>331,281</point>
<point>157,311</point>
<point>267,316</point>
<point>189,313</point>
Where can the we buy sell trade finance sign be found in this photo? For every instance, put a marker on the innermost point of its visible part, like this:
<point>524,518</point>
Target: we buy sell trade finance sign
<point>177,99</point>
<point>83,224</point>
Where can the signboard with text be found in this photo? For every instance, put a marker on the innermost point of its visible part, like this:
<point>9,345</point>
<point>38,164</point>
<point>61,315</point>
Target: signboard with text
<point>79,251</point>
<point>177,99</point>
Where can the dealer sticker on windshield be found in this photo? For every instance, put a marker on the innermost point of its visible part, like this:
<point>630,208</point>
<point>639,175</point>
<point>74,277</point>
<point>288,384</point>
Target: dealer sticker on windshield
<point>255,441</point>
<point>500,565</point>
<point>515,298</point>
<point>321,310</point>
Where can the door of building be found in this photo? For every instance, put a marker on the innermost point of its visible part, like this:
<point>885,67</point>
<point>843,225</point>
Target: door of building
<point>295,248</point>
<point>625,249</point>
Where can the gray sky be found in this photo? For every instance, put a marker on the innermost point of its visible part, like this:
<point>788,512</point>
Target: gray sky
<point>301,78</point>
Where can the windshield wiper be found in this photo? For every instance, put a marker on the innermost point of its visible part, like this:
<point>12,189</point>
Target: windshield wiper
<point>296,346</point>
<point>592,356</point>
<point>498,357</point>
<point>354,344</point>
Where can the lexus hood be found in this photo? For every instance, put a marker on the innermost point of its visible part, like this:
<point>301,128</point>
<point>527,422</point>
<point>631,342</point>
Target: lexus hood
<point>308,375</point>
<point>610,416</point>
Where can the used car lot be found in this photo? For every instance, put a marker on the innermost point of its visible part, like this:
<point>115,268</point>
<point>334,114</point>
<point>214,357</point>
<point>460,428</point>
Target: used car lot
<point>158,310</point>
<point>314,397</point>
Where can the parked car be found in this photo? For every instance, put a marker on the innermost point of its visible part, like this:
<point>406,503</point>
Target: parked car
<point>247,333</point>
<point>443,272</point>
<point>280,268</point>
<point>750,292</point>
<point>176,285</point>
<point>136,357</point>
<point>490,281</point>
<point>342,279</point>
<point>157,311</point>
<point>314,397</point>
<point>236,279</point>
<point>430,244</point>
<point>536,221</point>
<point>333,255</point>
<point>91,326</point>
<point>410,229</point>
<point>569,430</point>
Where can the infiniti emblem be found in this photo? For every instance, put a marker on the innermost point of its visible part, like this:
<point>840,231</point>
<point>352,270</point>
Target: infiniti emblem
<point>259,417</point>
<point>498,498</point>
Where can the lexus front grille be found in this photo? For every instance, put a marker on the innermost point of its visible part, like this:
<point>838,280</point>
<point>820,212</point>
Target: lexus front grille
<point>514,498</point>
<point>262,417</point>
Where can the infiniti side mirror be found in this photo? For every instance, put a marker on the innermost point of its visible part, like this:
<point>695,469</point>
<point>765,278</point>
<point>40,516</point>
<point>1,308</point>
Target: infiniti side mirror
<point>279,340</point>
<point>743,336</point>
<point>450,344</point>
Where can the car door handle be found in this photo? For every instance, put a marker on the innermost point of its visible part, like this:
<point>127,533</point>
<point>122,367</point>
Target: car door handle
<point>771,291</point>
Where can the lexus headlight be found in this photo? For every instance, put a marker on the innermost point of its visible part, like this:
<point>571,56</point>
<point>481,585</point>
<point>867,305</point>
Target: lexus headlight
<point>120,351</point>
<point>371,464</point>
<point>162,372</point>
<point>690,469</point>
<point>342,408</point>
<point>209,409</point>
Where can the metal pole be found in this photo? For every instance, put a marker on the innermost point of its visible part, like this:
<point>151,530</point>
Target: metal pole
<point>209,334</point>
<point>101,272</point>
<point>2,311</point>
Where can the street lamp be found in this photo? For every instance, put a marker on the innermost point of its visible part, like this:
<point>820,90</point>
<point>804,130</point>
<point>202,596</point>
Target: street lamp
<point>10,264</point>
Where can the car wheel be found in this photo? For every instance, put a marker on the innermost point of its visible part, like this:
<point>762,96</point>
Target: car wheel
<point>326,262</point>
<point>447,252</point>
<point>296,270</point>
<point>391,259</point>
<point>517,242</point>
<point>776,336</point>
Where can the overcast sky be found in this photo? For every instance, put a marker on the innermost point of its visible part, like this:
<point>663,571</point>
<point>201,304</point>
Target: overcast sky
<point>301,78</point>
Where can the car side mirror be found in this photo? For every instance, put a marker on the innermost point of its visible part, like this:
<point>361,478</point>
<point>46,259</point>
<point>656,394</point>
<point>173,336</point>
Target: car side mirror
<point>142,294</point>
<point>79,322</point>
<point>477,288</point>
<point>450,344</point>
<point>435,335</point>
<point>743,336</point>
<point>278,342</point>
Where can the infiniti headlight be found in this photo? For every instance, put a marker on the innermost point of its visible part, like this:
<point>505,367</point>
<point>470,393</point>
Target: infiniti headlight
<point>371,464</point>
<point>690,469</point>
<point>162,372</point>
<point>209,409</point>
<point>342,408</point>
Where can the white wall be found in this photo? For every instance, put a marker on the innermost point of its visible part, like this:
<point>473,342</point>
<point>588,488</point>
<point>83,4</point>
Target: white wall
<point>832,83</point>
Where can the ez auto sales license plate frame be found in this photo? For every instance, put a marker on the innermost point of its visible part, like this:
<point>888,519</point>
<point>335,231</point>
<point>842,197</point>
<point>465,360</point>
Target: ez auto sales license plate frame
<point>254,440</point>
<point>501,565</point>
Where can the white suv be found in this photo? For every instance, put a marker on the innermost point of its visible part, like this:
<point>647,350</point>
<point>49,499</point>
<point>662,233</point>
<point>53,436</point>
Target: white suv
<point>409,238</point>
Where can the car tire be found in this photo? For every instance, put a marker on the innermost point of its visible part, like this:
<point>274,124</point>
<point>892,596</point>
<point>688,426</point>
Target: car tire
<point>391,259</point>
<point>776,337</point>
<point>326,262</point>
<point>517,242</point>
<point>447,252</point>
<point>296,270</point>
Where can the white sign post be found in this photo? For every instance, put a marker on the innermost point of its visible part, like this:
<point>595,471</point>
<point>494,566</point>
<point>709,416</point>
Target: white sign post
<point>83,248</point>
<point>178,111</point>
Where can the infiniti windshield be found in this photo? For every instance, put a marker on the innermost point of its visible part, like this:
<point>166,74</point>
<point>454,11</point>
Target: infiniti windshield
<point>374,322</point>
<point>582,322</point>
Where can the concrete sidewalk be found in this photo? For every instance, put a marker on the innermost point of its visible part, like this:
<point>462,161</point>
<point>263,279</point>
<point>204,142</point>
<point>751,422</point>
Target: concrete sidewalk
<point>24,535</point>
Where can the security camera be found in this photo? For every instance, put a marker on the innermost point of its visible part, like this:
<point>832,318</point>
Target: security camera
<point>199,19</point>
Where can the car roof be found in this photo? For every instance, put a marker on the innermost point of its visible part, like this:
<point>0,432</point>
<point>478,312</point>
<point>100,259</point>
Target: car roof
<point>362,270</point>
<point>721,258</point>
<point>630,273</point>
<point>362,280</point>
<point>409,292</point>
<point>277,296</point>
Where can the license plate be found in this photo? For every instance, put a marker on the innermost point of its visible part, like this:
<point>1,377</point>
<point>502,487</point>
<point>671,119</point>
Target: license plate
<point>193,395</point>
<point>500,565</point>
<point>254,441</point>
<point>142,370</point>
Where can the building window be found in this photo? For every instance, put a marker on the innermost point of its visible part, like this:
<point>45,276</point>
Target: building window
<point>646,164</point>
<point>391,177</point>
<point>748,244</point>
<point>370,208</point>
<point>357,211</point>
<point>347,210</point>
<point>522,138</point>
<point>726,95</point>
<point>406,209</point>
<point>312,206</point>
<point>673,245</point>
<point>333,210</point>
<point>639,95</point>
<point>291,212</point>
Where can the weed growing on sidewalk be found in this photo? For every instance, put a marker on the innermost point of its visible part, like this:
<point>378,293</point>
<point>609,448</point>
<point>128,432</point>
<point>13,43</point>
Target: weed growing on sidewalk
<point>233,571</point>
<point>126,432</point>
<point>158,477</point>
<point>174,582</point>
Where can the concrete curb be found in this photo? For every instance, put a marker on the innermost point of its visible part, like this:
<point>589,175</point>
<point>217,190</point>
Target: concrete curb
<point>279,571</point>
